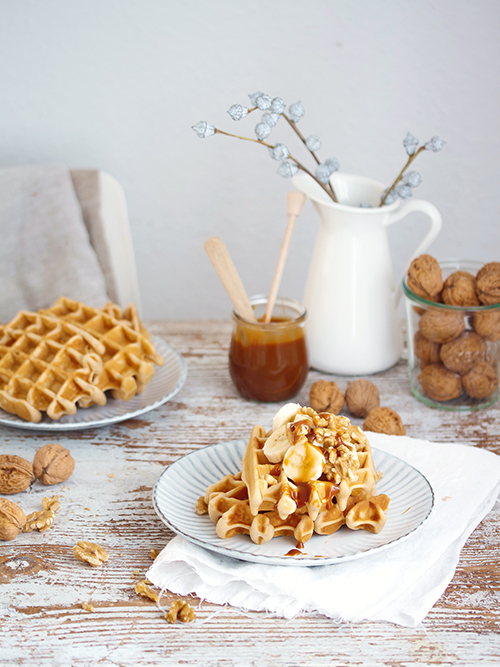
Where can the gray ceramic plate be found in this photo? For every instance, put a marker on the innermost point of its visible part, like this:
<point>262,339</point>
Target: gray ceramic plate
<point>178,488</point>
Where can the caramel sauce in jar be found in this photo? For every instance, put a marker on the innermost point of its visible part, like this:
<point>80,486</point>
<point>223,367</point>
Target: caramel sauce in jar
<point>268,362</point>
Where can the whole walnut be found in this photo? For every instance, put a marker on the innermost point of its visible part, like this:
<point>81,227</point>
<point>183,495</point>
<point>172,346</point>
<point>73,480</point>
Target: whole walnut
<point>384,420</point>
<point>361,396</point>
<point>12,519</point>
<point>53,464</point>
<point>425,277</point>
<point>440,383</point>
<point>488,283</point>
<point>15,474</point>
<point>326,396</point>
<point>487,324</point>
<point>440,325</point>
<point>460,290</point>
<point>426,350</point>
<point>461,354</point>
<point>481,381</point>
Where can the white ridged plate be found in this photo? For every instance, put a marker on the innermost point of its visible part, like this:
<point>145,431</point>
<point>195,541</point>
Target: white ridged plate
<point>182,483</point>
<point>166,382</point>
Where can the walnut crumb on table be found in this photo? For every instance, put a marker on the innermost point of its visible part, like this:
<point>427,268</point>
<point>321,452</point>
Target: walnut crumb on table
<point>87,606</point>
<point>91,553</point>
<point>142,588</point>
<point>180,610</point>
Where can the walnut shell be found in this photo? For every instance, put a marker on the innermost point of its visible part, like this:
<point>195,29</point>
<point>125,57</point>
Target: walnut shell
<point>362,396</point>
<point>460,290</point>
<point>487,324</point>
<point>441,326</point>
<point>439,383</point>
<point>384,420</point>
<point>426,350</point>
<point>53,464</point>
<point>425,277</point>
<point>481,381</point>
<point>326,396</point>
<point>12,519</point>
<point>461,354</point>
<point>15,474</point>
<point>488,283</point>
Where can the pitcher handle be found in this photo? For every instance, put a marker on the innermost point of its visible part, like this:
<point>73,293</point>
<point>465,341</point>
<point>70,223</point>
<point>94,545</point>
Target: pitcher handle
<point>436,221</point>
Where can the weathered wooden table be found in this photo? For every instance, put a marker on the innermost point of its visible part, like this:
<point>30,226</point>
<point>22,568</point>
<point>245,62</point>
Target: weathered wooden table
<point>108,500</point>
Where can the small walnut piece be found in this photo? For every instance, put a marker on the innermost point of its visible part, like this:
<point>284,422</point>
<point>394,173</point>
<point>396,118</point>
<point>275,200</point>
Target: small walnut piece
<point>361,397</point>
<point>325,396</point>
<point>461,354</point>
<point>142,588</point>
<point>488,283</point>
<point>12,519</point>
<point>51,503</point>
<point>153,553</point>
<point>481,381</point>
<point>425,277</point>
<point>179,609</point>
<point>440,325</point>
<point>426,350</point>
<point>88,552</point>
<point>440,383</point>
<point>53,464</point>
<point>460,290</point>
<point>487,324</point>
<point>15,474</point>
<point>40,521</point>
<point>384,420</point>
<point>87,606</point>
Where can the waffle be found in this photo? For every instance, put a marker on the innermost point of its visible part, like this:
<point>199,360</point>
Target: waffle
<point>312,473</point>
<point>48,366</point>
<point>128,354</point>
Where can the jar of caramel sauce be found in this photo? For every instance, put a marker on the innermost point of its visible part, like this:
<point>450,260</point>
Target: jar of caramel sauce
<point>268,362</point>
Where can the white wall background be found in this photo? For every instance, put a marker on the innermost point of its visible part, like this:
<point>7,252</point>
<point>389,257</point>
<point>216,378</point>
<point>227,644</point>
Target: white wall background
<point>117,84</point>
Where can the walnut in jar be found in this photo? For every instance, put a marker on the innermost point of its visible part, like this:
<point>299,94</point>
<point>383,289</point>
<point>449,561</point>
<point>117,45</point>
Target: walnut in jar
<point>326,396</point>
<point>439,383</point>
<point>461,354</point>
<point>488,283</point>
<point>487,324</point>
<point>460,290</point>
<point>361,397</point>
<point>425,277</point>
<point>481,381</point>
<point>426,350</point>
<point>440,325</point>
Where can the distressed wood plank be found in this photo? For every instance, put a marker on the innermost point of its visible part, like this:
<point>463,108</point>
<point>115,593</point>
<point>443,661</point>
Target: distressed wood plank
<point>108,500</point>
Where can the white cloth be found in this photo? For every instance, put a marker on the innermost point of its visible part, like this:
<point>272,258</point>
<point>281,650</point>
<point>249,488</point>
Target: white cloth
<point>45,250</point>
<point>399,584</point>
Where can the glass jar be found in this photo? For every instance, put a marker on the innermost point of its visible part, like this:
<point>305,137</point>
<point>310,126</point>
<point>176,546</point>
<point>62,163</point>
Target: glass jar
<point>453,351</point>
<point>268,362</point>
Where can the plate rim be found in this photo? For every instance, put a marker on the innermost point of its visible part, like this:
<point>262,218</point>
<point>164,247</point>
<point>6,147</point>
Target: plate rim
<point>263,559</point>
<point>99,423</point>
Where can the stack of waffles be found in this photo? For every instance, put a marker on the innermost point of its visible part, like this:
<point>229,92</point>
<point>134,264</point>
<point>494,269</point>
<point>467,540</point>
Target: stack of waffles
<point>69,355</point>
<point>312,473</point>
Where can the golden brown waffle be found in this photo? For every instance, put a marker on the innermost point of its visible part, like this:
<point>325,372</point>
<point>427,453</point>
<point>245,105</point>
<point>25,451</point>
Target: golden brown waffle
<point>47,365</point>
<point>291,494</point>
<point>128,353</point>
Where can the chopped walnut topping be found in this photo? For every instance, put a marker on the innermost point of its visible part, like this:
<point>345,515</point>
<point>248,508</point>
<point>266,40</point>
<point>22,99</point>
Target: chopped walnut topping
<point>141,588</point>
<point>40,521</point>
<point>88,552</point>
<point>153,553</point>
<point>87,606</point>
<point>179,609</point>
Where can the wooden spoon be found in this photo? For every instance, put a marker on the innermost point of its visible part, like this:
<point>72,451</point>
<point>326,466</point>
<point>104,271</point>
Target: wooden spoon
<point>295,201</point>
<point>223,264</point>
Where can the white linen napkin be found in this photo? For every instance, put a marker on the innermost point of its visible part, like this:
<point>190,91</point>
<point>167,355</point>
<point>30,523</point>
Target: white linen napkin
<point>399,584</point>
<point>45,251</point>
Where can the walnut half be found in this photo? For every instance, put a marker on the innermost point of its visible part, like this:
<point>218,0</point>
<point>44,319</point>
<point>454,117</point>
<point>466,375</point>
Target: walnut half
<point>179,609</point>
<point>91,553</point>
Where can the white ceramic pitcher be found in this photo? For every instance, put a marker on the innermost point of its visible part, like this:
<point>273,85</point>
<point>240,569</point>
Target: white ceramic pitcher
<point>353,327</point>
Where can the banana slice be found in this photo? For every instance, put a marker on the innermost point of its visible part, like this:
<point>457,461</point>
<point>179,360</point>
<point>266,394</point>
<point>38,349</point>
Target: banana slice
<point>303,462</point>
<point>285,414</point>
<point>277,445</point>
